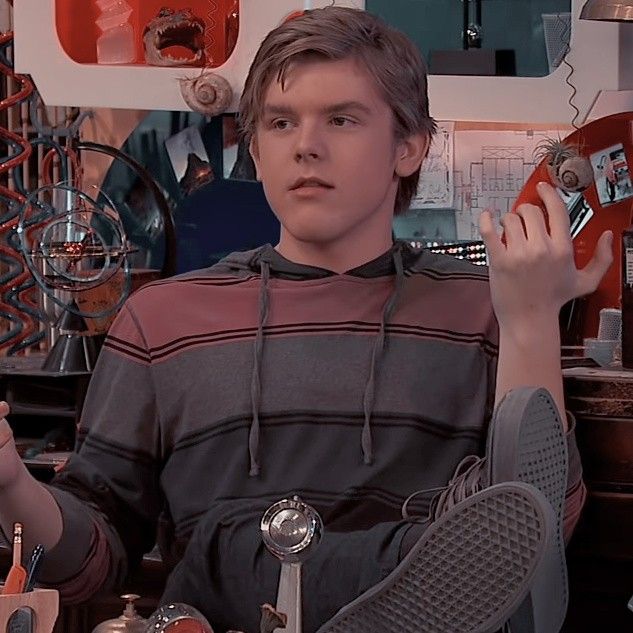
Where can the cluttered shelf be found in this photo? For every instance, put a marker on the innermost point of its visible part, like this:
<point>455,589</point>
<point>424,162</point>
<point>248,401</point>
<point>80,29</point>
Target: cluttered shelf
<point>57,44</point>
<point>600,555</point>
<point>147,582</point>
<point>45,408</point>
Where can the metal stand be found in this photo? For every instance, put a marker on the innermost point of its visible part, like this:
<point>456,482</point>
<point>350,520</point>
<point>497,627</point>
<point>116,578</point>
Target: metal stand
<point>291,531</point>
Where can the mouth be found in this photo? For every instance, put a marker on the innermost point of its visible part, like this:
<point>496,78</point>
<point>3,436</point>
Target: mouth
<point>310,183</point>
<point>178,43</point>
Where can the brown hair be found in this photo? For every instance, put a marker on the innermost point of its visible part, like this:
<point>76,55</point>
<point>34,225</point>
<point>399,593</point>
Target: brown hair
<point>337,33</point>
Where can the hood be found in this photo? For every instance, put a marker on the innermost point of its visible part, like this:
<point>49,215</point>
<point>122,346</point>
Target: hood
<point>282,268</point>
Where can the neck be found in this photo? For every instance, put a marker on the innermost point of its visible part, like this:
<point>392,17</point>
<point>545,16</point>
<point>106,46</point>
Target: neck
<point>337,257</point>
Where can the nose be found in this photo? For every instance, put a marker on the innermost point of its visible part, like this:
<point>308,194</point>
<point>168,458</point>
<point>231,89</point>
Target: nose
<point>305,155</point>
<point>309,146</point>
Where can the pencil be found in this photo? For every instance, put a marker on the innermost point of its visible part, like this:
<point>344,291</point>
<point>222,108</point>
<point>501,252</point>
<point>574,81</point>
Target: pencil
<point>16,578</point>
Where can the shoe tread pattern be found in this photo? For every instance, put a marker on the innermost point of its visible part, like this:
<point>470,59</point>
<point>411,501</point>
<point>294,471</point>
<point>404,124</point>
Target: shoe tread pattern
<point>542,460</point>
<point>467,576</point>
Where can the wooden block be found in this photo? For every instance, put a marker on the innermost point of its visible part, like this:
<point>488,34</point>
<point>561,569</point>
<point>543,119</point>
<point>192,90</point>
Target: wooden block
<point>45,605</point>
<point>601,407</point>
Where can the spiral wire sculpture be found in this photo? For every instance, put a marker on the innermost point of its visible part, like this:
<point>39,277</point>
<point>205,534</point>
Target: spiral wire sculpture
<point>565,41</point>
<point>18,304</point>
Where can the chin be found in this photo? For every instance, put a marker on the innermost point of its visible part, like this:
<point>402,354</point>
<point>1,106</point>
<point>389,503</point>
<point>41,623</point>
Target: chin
<point>317,233</point>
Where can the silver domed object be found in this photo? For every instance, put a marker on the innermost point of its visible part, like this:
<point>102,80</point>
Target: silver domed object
<point>177,616</point>
<point>291,530</point>
<point>128,622</point>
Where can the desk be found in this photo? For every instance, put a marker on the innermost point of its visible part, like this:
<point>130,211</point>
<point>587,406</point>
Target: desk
<point>600,555</point>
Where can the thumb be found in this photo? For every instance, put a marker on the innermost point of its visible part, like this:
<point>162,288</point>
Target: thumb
<point>595,270</point>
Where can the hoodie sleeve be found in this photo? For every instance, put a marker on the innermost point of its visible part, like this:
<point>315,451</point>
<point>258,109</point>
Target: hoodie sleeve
<point>108,492</point>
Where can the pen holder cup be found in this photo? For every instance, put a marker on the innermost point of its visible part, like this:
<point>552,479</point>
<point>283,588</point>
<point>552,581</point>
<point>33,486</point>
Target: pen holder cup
<point>43,602</point>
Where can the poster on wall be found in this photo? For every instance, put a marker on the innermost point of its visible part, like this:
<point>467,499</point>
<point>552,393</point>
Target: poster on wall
<point>189,160</point>
<point>491,167</point>
<point>436,187</point>
<point>612,175</point>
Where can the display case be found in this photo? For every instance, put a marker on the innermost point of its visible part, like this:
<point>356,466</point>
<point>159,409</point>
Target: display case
<point>55,42</point>
<point>78,28</point>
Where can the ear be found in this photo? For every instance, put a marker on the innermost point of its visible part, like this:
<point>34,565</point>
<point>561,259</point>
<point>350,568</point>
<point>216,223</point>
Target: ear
<point>410,153</point>
<point>253,150</point>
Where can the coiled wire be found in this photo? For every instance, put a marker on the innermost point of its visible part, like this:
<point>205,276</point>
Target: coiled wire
<point>18,301</point>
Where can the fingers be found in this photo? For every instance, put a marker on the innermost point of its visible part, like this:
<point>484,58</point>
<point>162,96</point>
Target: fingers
<point>514,231</point>
<point>489,235</point>
<point>5,430</point>
<point>6,434</point>
<point>533,220</point>
<point>557,214</point>
<point>598,265</point>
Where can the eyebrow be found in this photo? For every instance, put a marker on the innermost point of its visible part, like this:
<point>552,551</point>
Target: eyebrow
<point>335,107</point>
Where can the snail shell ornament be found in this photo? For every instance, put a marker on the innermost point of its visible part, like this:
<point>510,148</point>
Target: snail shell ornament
<point>208,94</point>
<point>572,175</point>
<point>567,169</point>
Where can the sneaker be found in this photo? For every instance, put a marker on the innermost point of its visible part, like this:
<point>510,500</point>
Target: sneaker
<point>525,443</point>
<point>468,572</point>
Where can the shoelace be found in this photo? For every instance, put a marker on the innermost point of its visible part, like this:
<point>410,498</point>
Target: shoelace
<point>466,481</point>
<point>469,478</point>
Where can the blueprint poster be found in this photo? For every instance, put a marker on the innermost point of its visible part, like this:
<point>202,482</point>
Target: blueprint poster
<point>491,167</point>
<point>436,187</point>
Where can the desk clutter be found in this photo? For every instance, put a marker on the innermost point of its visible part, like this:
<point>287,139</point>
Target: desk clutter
<point>291,531</point>
<point>600,555</point>
<point>23,608</point>
<point>606,349</point>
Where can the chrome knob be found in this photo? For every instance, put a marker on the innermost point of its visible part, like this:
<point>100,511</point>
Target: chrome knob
<point>291,530</point>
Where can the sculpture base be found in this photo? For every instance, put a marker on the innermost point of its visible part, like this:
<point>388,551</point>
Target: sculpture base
<point>73,353</point>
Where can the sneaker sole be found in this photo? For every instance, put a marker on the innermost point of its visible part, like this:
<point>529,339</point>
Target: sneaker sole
<point>527,443</point>
<point>467,573</point>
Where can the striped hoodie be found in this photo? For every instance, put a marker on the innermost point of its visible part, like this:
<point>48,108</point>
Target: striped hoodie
<point>260,378</point>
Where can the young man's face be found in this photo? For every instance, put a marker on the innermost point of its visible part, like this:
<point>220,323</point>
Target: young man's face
<point>325,151</point>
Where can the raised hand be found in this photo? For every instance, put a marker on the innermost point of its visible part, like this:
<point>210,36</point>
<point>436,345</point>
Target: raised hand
<point>533,274</point>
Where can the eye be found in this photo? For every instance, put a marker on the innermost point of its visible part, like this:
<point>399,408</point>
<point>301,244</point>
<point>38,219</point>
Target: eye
<point>279,124</point>
<point>342,121</point>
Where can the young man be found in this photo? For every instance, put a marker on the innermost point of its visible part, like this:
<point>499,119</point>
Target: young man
<point>338,366</point>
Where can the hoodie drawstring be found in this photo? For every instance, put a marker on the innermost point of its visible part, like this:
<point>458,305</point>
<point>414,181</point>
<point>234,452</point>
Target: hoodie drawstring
<point>370,387</point>
<point>376,356</point>
<point>256,383</point>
